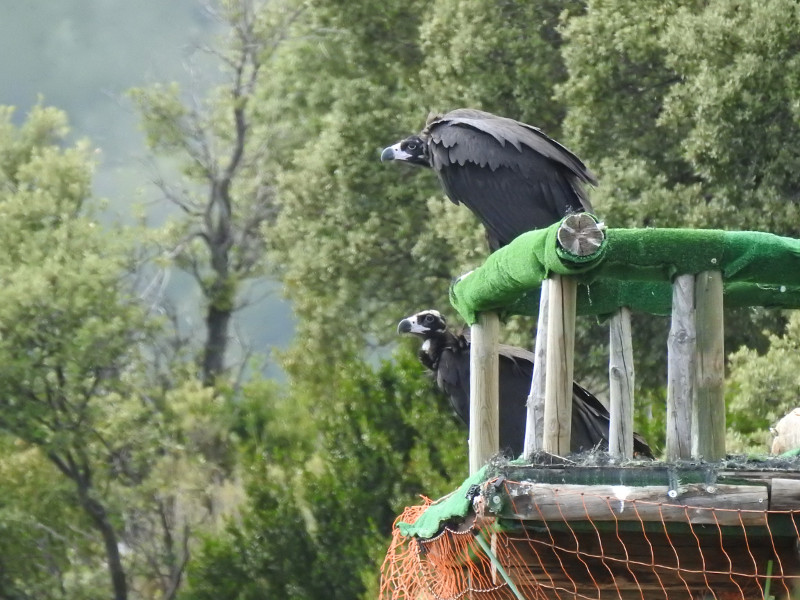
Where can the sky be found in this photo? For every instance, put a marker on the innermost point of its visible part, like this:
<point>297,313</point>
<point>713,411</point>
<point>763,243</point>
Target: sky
<point>82,56</point>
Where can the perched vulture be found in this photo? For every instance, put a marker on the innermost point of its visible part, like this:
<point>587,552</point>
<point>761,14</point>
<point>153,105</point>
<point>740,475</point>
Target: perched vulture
<point>447,356</point>
<point>511,175</point>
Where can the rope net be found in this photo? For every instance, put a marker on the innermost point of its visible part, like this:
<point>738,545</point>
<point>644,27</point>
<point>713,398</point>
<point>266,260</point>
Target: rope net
<point>570,544</point>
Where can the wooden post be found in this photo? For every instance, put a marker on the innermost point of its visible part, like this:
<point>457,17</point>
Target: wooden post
<point>708,416</point>
<point>680,369</point>
<point>560,357</point>
<point>621,378</point>
<point>534,423</point>
<point>484,404</point>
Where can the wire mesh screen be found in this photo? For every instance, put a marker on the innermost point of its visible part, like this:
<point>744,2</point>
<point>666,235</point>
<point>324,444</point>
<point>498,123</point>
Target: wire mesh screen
<point>541,542</point>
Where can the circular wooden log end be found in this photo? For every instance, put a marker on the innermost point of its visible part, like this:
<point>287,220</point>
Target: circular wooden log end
<point>580,235</point>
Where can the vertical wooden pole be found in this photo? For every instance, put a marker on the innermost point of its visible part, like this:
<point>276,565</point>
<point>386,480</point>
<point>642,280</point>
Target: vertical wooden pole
<point>621,379</point>
<point>534,423</point>
<point>560,359</point>
<point>484,403</point>
<point>680,369</point>
<point>708,416</point>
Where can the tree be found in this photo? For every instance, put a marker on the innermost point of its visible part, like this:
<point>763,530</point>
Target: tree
<point>317,524</point>
<point>133,469</point>
<point>762,388</point>
<point>341,211</point>
<point>226,191</point>
<point>373,241</point>
<point>69,331</point>
<point>504,57</point>
<point>685,110</point>
<point>36,545</point>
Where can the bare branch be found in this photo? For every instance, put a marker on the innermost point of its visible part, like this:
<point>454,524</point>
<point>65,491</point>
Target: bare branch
<point>219,158</point>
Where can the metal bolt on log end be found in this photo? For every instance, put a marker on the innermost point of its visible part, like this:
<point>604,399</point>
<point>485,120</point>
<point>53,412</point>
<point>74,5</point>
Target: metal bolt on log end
<point>580,235</point>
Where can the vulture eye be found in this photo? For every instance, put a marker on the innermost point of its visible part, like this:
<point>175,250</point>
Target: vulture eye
<point>428,319</point>
<point>412,146</point>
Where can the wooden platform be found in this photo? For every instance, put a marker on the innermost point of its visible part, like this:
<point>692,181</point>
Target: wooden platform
<point>704,533</point>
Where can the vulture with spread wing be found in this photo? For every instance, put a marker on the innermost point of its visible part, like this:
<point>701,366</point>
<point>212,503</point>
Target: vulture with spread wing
<point>447,356</point>
<point>511,175</point>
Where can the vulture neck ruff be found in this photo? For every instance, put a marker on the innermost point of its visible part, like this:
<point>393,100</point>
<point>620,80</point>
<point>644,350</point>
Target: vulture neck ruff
<point>435,345</point>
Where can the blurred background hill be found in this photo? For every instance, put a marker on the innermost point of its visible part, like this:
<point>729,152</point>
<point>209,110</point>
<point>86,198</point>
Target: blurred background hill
<point>83,56</point>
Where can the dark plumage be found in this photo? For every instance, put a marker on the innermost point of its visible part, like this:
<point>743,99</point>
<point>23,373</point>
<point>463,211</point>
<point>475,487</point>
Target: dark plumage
<point>447,355</point>
<point>511,175</point>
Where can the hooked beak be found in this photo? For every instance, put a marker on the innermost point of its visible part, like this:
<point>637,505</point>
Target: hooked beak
<point>394,153</point>
<point>411,325</point>
<point>403,326</point>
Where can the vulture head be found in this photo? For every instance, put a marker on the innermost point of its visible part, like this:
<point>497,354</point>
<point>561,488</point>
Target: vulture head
<point>511,175</point>
<point>412,150</point>
<point>424,323</point>
<point>431,326</point>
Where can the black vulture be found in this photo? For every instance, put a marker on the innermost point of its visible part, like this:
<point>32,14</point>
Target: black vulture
<point>447,356</point>
<point>511,175</point>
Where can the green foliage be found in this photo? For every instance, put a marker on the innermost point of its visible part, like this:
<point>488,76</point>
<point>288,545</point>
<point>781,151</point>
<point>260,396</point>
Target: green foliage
<point>267,425</point>
<point>617,78</point>
<point>355,236</point>
<point>317,524</point>
<point>66,321</point>
<point>36,541</point>
<point>737,98</point>
<point>165,127</point>
<point>687,110</point>
<point>504,57</point>
<point>68,339</point>
<point>762,388</point>
<point>94,453</point>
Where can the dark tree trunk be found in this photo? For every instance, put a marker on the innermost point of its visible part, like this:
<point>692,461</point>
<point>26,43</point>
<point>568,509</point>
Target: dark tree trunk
<point>231,233</point>
<point>97,513</point>
<point>217,322</point>
<point>80,473</point>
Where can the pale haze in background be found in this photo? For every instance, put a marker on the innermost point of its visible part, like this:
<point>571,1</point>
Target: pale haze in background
<point>82,56</point>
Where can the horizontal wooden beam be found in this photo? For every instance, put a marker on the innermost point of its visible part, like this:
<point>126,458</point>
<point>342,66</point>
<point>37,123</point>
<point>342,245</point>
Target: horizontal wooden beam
<point>735,505</point>
<point>785,494</point>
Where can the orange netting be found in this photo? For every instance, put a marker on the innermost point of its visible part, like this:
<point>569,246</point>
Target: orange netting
<point>575,544</point>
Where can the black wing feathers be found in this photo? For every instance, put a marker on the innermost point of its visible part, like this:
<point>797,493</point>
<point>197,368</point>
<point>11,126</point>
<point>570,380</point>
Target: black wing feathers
<point>511,175</point>
<point>453,128</point>
<point>590,421</point>
<point>512,202</point>
<point>452,377</point>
